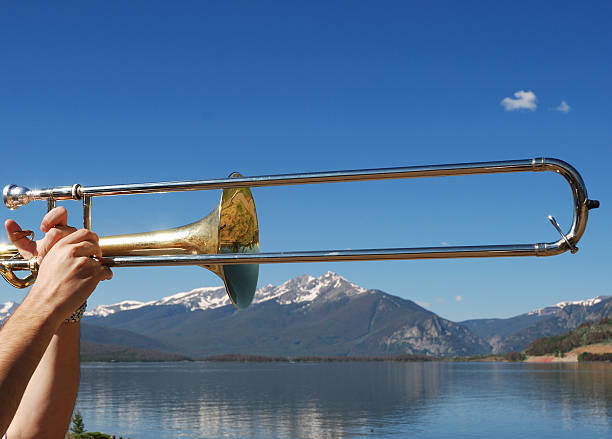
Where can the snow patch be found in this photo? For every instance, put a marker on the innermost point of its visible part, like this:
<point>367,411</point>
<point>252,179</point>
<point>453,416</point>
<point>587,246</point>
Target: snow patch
<point>561,305</point>
<point>197,299</point>
<point>304,289</point>
<point>6,307</point>
<point>106,310</point>
<point>586,302</point>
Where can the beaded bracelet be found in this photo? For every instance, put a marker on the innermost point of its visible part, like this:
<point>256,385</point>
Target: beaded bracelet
<point>76,316</point>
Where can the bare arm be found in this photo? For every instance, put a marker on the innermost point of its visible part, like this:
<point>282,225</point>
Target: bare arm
<point>66,278</point>
<point>49,397</point>
<point>25,337</point>
<point>48,402</point>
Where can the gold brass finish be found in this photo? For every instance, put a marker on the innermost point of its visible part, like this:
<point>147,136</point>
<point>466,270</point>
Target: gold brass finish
<point>231,227</point>
<point>227,240</point>
<point>8,251</point>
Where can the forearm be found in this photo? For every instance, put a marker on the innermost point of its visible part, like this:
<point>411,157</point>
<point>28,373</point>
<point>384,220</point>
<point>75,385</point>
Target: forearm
<point>25,337</point>
<point>37,396</point>
<point>48,402</point>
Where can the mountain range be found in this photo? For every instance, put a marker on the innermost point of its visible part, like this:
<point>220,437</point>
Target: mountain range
<point>323,316</point>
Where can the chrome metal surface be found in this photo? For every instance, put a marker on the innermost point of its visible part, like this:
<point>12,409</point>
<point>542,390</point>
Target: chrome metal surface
<point>16,197</point>
<point>65,193</point>
<point>555,224</point>
<point>240,248</point>
<point>87,213</point>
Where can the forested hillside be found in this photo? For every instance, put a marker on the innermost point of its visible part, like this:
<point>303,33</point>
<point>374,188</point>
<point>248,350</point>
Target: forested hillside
<point>585,334</point>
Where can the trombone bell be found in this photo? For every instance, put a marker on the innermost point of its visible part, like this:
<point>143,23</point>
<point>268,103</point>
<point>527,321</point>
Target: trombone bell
<point>231,227</point>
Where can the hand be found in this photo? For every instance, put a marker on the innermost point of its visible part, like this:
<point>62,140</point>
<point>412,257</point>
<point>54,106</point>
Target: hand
<point>69,273</point>
<point>55,227</point>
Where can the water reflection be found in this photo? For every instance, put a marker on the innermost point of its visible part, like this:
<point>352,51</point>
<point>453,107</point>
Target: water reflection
<point>345,399</point>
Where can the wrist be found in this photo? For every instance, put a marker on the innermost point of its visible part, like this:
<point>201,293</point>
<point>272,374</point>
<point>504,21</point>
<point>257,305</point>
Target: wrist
<point>37,315</point>
<point>38,303</point>
<point>76,316</point>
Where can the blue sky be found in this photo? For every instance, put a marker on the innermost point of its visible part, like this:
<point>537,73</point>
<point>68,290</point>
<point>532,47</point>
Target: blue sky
<point>109,93</point>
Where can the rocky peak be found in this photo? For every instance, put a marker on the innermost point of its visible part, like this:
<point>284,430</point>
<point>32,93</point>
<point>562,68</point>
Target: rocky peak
<point>306,288</point>
<point>302,289</point>
<point>554,309</point>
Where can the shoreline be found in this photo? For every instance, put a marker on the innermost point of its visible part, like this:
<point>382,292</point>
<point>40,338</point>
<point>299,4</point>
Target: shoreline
<point>513,357</point>
<point>571,356</point>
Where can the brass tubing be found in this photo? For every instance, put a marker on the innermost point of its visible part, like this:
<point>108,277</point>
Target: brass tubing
<point>15,196</point>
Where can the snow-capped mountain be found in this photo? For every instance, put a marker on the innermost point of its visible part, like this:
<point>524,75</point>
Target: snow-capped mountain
<point>303,289</point>
<point>325,315</point>
<point>515,333</point>
<point>6,309</point>
<point>551,310</point>
<point>197,299</point>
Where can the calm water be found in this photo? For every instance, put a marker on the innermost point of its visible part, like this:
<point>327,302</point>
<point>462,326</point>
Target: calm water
<point>423,400</point>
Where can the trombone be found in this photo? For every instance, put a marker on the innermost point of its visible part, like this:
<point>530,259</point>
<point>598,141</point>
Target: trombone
<point>227,240</point>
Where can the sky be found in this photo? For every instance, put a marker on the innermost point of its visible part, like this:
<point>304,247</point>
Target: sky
<point>126,92</point>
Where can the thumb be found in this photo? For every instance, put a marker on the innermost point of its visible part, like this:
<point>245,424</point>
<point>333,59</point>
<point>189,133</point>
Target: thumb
<point>21,238</point>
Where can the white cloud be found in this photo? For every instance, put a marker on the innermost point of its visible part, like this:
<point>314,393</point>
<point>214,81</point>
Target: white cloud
<point>444,243</point>
<point>424,304</point>
<point>563,107</point>
<point>524,100</point>
<point>459,298</point>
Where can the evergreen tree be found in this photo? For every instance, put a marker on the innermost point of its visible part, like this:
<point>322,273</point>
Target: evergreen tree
<point>78,426</point>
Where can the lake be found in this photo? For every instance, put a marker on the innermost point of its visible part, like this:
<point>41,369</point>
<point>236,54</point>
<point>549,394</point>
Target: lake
<point>355,399</point>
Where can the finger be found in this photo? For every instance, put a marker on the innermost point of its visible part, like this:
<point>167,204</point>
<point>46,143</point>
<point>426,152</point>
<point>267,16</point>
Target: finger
<point>87,249</point>
<point>59,232</point>
<point>20,238</point>
<point>79,236</point>
<point>65,230</point>
<point>104,273</point>
<point>100,272</point>
<point>51,238</point>
<point>55,217</point>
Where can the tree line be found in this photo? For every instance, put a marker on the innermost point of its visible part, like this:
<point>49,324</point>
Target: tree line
<point>585,334</point>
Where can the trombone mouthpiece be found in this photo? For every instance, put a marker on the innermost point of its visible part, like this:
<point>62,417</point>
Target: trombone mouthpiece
<point>15,196</point>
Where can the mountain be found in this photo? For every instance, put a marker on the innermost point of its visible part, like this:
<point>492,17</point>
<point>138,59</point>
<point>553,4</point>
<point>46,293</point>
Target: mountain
<point>111,352</point>
<point>120,337</point>
<point>516,333</point>
<point>6,309</point>
<point>323,316</point>
<point>327,316</point>
<point>595,335</point>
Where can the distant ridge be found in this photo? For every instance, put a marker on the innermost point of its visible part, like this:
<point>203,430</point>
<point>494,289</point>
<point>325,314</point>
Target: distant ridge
<point>317,316</point>
<point>326,315</point>
<point>298,290</point>
<point>516,333</point>
<point>584,303</point>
